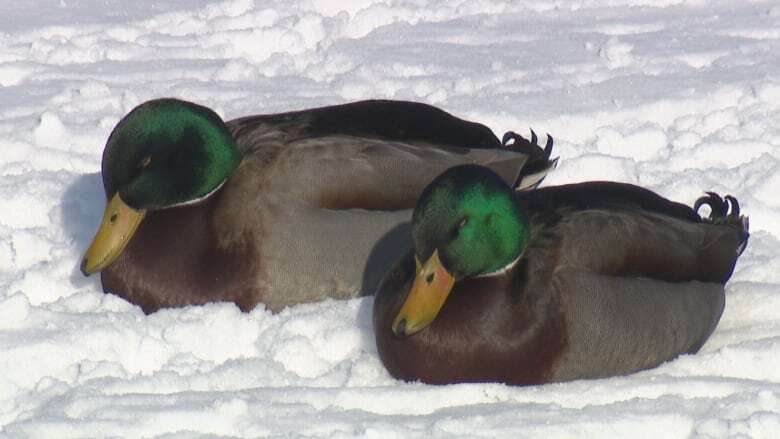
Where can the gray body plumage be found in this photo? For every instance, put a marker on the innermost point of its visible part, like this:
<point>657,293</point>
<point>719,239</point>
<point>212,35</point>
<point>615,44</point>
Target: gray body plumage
<point>615,279</point>
<point>336,209</point>
<point>318,208</point>
<point>627,286</point>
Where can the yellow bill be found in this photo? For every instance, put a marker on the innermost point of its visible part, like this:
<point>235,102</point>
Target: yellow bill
<point>430,289</point>
<point>120,222</point>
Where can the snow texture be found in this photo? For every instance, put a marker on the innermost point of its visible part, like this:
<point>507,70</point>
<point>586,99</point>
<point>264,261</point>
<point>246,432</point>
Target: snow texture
<point>679,96</point>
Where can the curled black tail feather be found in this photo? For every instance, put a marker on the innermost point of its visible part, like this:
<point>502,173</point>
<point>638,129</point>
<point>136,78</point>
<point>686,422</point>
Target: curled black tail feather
<point>719,207</point>
<point>725,211</point>
<point>539,162</point>
<point>733,204</point>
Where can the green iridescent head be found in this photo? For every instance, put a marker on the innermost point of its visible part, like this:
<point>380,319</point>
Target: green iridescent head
<point>164,153</point>
<point>168,152</point>
<point>468,222</point>
<point>471,216</point>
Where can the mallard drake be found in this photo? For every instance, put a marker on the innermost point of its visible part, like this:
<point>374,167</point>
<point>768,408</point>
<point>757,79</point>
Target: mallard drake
<point>577,281</point>
<point>276,209</point>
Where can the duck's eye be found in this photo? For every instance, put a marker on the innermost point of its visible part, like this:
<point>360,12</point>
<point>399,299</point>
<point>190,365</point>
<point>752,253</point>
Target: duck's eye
<point>145,162</point>
<point>429,278</point>
<point>461,224</point>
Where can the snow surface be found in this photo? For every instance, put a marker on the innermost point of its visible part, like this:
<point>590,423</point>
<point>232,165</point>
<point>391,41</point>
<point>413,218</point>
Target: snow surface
<point>679,96</point>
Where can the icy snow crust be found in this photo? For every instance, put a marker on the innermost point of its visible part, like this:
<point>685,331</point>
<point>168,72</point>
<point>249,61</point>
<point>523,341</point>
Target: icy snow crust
<point>677,96</point>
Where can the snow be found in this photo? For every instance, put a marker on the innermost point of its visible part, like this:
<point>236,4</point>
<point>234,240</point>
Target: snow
<point>680,96</point>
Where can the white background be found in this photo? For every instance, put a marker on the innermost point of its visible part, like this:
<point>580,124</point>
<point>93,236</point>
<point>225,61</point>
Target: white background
<point>677,96</point>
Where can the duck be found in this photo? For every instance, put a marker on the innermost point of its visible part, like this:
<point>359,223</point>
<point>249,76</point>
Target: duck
<point>578,281</point>
<point>278,209</point>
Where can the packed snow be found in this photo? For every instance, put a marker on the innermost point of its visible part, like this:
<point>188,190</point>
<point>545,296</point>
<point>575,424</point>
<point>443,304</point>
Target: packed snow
<point>679,96</point>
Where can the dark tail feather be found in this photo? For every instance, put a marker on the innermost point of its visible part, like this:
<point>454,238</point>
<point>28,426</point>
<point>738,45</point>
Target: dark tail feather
<point>725,211</point>
<point>539,163</point>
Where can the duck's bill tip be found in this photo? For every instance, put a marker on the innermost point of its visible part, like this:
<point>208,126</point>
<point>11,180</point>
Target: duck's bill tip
<point>430,289</point>
<point>399,329</point>
<point>120,223</point>
<point>83,267</point>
